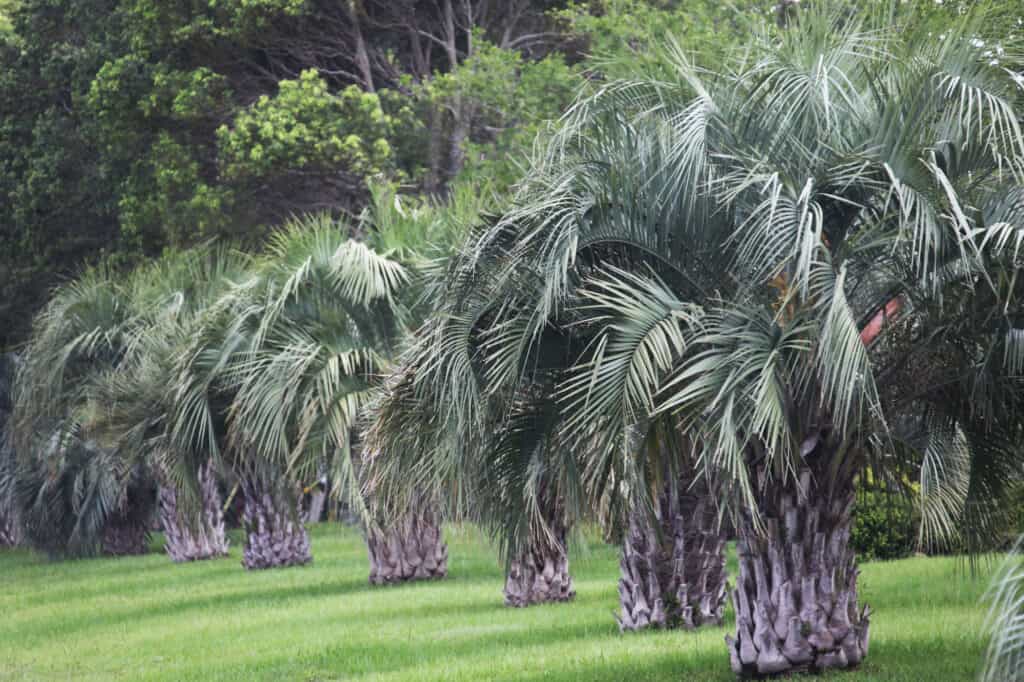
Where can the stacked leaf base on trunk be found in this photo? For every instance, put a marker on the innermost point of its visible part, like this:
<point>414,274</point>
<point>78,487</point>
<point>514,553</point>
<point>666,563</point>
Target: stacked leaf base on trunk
<point>673,575</point>
<point>796,596</point>
<point>540,575</point>
<point>125,535</point>
<point>274,536</point>
<point>414,549</point>
<point>194,539</point>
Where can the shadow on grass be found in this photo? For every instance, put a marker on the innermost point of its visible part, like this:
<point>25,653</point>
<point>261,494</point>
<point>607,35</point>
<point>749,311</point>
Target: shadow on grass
<point>353,658</point>
<point>268,598</point>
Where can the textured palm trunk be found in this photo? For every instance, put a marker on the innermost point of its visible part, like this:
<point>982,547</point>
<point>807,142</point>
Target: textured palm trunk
<point>796,595</point>
<point>673,573</point>
<point>125,534</point>
<point>412,549</point>
<point>541,573</point>
<point>316,506</point>
<point>10,529</point>
<point>274,535</point>
<point>203,538</point>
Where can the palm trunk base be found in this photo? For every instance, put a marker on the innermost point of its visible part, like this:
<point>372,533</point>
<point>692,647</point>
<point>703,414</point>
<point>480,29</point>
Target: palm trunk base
<point>125,536</point>
<point>196,541</point>
<point>539,576</point>
<point>274,537</point>
<point>673,576</point>
<point>10,531</point>
<point>412,550</point>
<point>796,596</point>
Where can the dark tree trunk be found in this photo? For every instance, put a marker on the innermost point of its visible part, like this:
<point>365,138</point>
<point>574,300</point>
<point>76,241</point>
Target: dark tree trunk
<point>796,595</point>
<point>10,529</point>
<point>274,535</point>
<point>673,573</point>
<point>316,506</point>
<point>413,549</point>
<point>125,534</point>
<point>541,573</point>
<point>202,538</point>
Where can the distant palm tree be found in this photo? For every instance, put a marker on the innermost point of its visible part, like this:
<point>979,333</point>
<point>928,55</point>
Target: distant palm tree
<point>801,264</point>
<point>86,343</point>
<point>133,401</point>
<point>74,496</point>
<point>310,338</point>
<point>277,377</point>
<point>10,526</point>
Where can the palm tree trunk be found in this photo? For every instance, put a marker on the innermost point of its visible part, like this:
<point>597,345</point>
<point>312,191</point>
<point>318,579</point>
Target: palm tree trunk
<point>274,535</point>
<point>541,573</point>
<point>125,534</point>
<point>413,549</point>
<point>10,529</point>
<point>796,596</point>
<point>316,506</point>
<point>204,538</point>
<point>673,573</point>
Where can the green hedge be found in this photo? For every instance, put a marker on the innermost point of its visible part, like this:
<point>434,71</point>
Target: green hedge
<point>885,526</point>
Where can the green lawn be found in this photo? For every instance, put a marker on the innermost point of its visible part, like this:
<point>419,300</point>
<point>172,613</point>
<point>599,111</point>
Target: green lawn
<point>146,618</point>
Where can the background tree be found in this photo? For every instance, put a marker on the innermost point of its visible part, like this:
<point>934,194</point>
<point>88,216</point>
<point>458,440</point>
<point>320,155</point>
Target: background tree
<point>133,125</point>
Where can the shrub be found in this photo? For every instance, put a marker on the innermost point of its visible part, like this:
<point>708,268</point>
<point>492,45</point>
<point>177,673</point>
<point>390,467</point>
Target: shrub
<point>884,526</point>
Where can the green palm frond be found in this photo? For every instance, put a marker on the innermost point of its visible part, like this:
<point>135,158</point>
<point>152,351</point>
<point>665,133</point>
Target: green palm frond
<point>817,240</point>
<point>1004,660</point>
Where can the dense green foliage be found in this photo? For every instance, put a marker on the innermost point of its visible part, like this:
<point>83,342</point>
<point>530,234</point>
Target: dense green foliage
<point>885,526</point>
<point>134,126</point>
<point>143,618</point>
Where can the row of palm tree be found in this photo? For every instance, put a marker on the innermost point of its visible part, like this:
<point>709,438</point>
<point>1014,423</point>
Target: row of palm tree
<point>213,365</point>
<point>719,299</point>
<point>750,286</point>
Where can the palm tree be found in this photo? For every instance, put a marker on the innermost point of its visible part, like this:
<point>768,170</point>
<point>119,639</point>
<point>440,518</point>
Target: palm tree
<point>859,195</point>
<point>10,526</point>
<point>803,262</point>
<point>405,541</point>
<point>498,462</point>
<point>318,328</point>
<point>74,496</point>
<point>294,354</point>
<point>529,351</point>
<point>91,401</point>
<point>673,556</point>
<point>133,403</point>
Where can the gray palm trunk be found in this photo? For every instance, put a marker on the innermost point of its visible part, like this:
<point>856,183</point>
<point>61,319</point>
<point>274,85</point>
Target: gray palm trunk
<point>796,594</point>
<point>316,506</point>
<point>125,534</point>
<point>197,538</point>
<point>540,574</point>
<point>412,549</point>
<point>673,566</point>
<point>274,534</point>
<point>10,529</point>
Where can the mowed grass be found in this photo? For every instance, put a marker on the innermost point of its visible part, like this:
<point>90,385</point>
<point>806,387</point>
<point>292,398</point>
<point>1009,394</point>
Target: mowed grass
<point>145,618</point>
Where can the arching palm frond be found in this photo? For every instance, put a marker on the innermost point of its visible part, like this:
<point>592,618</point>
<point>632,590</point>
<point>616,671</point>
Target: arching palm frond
<point>1004,660</point>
